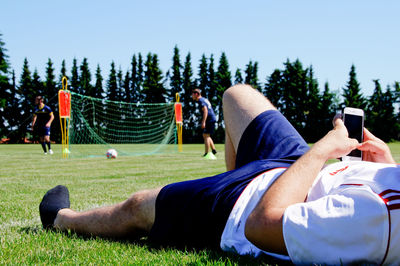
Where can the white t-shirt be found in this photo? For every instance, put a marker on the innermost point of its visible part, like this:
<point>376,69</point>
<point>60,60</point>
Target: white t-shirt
<point>349,203</point>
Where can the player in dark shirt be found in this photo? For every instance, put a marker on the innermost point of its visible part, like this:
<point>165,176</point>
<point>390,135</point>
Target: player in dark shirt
<point>207,122</point>
<point>42,118</point>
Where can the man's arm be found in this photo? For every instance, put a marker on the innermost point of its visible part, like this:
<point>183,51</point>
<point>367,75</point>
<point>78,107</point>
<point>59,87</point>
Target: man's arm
<point>33,120</point>
<point>50,120</point>
<point>264,225</point>
<point>205,114</point>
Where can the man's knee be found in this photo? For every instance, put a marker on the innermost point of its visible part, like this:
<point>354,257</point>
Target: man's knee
<point>139,209</point>
<point>206,135</point>
<point>233,91</point>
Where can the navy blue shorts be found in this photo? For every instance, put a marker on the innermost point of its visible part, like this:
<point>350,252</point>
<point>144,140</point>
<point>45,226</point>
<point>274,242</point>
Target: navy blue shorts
<point>193,213</point>
<point>210,127</point>
<point>43,131</point>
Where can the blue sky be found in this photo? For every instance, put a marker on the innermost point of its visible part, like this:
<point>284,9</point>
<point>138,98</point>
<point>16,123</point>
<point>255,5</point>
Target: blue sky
<point>329,35</point>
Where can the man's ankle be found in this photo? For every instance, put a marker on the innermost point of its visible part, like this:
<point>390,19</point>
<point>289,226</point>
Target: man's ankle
<point>60,218</point>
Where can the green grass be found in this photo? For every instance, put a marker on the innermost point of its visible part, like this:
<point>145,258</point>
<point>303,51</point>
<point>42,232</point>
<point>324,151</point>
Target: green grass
<point>26,174</point>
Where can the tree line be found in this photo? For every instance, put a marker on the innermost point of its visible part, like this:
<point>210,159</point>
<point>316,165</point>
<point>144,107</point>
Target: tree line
<point>293,90</point>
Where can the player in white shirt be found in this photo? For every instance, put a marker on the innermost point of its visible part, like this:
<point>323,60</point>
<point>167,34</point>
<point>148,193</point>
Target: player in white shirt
<point>278,196</point>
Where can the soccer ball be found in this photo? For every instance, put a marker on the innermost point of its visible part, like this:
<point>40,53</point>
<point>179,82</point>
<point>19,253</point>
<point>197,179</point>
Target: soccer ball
<point>111,154</point>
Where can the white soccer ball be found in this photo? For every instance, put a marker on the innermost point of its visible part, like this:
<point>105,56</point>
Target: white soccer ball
<point>111,154</point>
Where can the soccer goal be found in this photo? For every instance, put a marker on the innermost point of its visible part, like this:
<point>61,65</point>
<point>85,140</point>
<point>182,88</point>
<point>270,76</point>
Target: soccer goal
<point>131,128</point>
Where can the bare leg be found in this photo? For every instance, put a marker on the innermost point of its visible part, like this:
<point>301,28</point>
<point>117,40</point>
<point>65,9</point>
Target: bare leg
<point>230,153</point>
<point>47,141</point>
<point>43,143</point>
<point>46,138</point>
<point>241,104</point>
<point>212,144</point>
<point>207,144</point>
<point>131,218</point>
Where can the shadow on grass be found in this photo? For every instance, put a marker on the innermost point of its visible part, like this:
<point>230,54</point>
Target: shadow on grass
<point>33,230</point>
<point>206,256</point>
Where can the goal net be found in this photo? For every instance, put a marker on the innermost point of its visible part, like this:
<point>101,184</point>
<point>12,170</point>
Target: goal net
<point>131,128</point>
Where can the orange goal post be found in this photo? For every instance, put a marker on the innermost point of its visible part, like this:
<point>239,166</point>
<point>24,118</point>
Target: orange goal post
<point>64,104</point>
<point>178,121</point>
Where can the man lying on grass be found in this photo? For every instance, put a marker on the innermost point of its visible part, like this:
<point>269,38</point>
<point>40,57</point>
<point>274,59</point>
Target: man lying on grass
<point>278,196</point>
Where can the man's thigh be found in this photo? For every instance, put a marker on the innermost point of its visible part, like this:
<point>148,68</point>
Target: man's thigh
<point>270,136</point>
<point>241,104</point>
<point>209,129</point>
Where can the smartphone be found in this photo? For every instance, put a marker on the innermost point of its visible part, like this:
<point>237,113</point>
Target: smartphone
<point>353,119</point>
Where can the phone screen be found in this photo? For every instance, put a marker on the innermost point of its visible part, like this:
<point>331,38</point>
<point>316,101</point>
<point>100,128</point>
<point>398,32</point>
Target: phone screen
<point>354,125</point>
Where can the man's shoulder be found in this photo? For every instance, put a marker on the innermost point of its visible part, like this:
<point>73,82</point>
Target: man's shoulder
<point>204,101</point>
<point>47,108</point>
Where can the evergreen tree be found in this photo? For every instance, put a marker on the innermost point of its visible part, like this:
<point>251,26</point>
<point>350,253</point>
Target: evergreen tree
<point>373,114</point>
<point>74,82</point>
<point>273,89</point>
<point>63,73</point>
<point>140,79</point>
<point>154,90</point>
<point>134,84</point>
<point>112,95</point>
<point>187,79</point>
<point>397,100</point>
<point>327,109</point>
<point>120,86</point>
<point>27,101</point>
<point>112,86</point>
<point>294,94</point>
<point>211,89</point>
<point>393,128</point>
<point>312,108</point>
<point>223,81</point>
<point>13,110</point>
<point>176,78</point>
<point>98,91</point>
<point>397,91</point>
<point>223,76</point>
<point>252,75</point>
<point>166,82</point>
<point>352,92</point>
<point>238,76</point>
<point>85,78</point>
<point>51,99</point>
<point>50,88</point>
<point>380,115</point>
<point>37,85</point>
<point>5,93</point>
<point>249,72</point>
<point>127,88</point>
<point>190,113</point>
<point>202,81</point>
<point>137,78</point>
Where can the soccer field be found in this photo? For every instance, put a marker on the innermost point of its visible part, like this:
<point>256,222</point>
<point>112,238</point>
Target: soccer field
<point>26,174</point>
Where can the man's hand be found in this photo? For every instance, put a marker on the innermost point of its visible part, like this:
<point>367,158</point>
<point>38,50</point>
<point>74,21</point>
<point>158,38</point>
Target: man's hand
<point>336,143</point>
<point>203,125</point>
<point>374,149</point>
